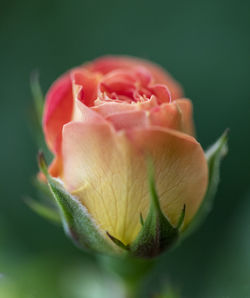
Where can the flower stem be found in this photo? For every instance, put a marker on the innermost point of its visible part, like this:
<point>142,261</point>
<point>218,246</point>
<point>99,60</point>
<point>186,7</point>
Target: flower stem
<point>130,270</point>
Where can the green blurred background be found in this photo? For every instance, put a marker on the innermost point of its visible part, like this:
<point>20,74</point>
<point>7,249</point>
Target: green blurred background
<point>206,46</point>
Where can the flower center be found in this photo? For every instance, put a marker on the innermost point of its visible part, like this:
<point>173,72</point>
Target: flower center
<point>125,86</point>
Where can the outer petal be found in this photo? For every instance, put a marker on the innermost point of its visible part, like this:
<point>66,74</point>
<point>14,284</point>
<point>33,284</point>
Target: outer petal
<point>106,171</point>
<point>129,120</point>
<point>166,116</point>
<point>186,109</point>
<point>110,63</point>
<point>181,172</point>
<point>175,115</point>
<point>57,111</point>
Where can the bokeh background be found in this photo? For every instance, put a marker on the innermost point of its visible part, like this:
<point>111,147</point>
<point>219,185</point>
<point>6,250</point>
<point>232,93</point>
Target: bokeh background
<point>205,45</point>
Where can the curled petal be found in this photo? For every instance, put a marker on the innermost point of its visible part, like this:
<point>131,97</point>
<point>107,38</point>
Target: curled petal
<point>162,93</point>
<point>89,82</point>
<point>82,112</point>
<point>109,63</point>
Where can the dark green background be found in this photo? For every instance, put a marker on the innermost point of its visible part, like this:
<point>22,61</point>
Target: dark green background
<point>206,46</point>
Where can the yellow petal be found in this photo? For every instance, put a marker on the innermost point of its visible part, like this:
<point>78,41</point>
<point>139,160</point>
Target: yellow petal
<point>106,171</point>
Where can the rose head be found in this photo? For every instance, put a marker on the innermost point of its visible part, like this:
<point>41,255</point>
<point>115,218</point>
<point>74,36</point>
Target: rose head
<point>102,121</point>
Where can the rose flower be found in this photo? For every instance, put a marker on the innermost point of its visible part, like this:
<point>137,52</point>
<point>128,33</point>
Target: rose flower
<point>102,121</point>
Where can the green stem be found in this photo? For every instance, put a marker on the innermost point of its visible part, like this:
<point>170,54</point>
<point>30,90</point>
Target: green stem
<point>131,289</point>
<point>131,271</point>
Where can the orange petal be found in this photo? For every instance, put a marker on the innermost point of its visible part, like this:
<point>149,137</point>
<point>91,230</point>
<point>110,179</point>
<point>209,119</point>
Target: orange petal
<point>186,108</point>
<point>166,116</point>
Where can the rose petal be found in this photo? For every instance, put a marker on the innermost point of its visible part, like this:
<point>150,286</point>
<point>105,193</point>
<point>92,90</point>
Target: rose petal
<point>108,108</point>
<point>82,112</point>
<point>186,109</point>
<point>89,82</point>
<point>57,111</point>
<point>129,120</point>
<point>55,168</point>
<point>106,171</point>
<point>160,76</point>
<point>162,93</point>
<point>175,115</point>
<point>181,172</point>
<point>166,116</point>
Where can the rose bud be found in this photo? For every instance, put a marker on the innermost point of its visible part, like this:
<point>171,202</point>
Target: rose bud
<point>128,175</point>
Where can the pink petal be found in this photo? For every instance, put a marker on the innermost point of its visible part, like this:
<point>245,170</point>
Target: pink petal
<point>57,111</point>
<point>89,82</point>
<point>161,92</point>
<point>108,108</point>
<point>82,112</point>
<point>109,63</point>
<point>129,120</point>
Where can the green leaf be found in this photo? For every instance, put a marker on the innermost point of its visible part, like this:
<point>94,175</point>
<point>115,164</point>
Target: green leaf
<point>45,205</point>
<point>37,96</point>
<point>43,210</point>
<point>157,234</point>
<point>78,224</point>
<point>214,156</point>
<point>36,115</point>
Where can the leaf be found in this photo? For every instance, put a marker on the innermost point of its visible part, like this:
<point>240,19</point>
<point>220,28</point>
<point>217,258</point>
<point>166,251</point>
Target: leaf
<point>37,114</point>
<point>214,156</point>
<point>43,210</point>
<point>78,224</point>
<point>157,234</point>
<point>37,96</point>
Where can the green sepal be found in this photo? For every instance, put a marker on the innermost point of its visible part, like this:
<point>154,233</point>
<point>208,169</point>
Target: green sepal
<point>77,223</point>
<point>214,156</point>
<point>118,242</point>
<point>37,97</point>
<point>157,233</point>
<point>43,210</point>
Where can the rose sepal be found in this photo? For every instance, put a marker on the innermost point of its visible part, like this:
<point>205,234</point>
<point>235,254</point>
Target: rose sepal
<point>77,223</point>
<point>214,155</point>
<point>157,233</point>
